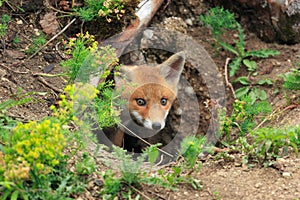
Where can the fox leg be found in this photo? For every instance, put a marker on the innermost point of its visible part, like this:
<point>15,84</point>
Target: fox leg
<point>117,138</point>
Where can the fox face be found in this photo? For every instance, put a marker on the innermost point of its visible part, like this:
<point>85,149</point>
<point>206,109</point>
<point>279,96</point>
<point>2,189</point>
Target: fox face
<point>151,90</point>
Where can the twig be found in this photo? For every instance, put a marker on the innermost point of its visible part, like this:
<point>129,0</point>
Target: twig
<point>58,51</point>
<point>266,119</point>
<point>17,72</point>
<point>49,85</point>
<point>55,36</point>
<point>226,78</point>
<point>48,75</point>
<point>141,193</point>
<point>125,127</point>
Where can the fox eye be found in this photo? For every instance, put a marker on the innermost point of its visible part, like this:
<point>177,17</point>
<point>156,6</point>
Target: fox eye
<point>140,102</point>
<point>163,101</point>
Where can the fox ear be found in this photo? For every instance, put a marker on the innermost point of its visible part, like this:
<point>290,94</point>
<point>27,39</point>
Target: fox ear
<point>172,68</point>
<point>125,75</point>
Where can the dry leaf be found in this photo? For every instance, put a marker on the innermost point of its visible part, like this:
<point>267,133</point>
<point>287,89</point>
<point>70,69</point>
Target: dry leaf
<point>50,24</point>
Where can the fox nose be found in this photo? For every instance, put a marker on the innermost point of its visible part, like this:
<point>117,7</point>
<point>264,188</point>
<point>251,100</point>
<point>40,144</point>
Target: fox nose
<point>156,126</point>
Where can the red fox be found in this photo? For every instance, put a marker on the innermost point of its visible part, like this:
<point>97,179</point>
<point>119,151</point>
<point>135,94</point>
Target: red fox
<point>149,92</point>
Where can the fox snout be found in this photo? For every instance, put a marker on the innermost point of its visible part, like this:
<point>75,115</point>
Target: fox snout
<point>153,118</point>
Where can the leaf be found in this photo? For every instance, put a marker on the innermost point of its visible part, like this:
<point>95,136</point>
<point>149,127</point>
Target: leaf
<point>152,155</point>
<point>253,97</point>
<point>263,53</point>
<point>234,66</point>
<point>243,80</point>
<point>14,195</point>
<point>241,43</point>
<point>265,81</point>
<point>228,47</point>
<point>260,94</point>
<point>251,65</point>
<point>241,92</point>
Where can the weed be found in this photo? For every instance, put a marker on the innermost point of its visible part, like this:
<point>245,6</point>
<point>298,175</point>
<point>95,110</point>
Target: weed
<point>3,25</point>
<point>242,117</point>
<point>191,147</point>
<point>79,48</point>
<point>86,165</point>
<point>251,89</point>
<point>87,60</point>
<point>219,20</point>
<point>292,80</point>
<point>37,42</point>
<point>33,165</point>
<point>16,40</point>
<point>242,56</point>
<point>111,10</point>
<point>131,172</point>
<point>274,142</point>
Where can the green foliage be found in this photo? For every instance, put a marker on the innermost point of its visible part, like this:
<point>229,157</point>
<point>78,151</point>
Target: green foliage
<point>111,10</point>
<point>1,2</point>
<point>219,20</point>
<point>251,89</point>
<point>191,147</point>
<point>6,122</point>
<point>86,165</point>
<point>242,56</point>
<point>111,185</point>
<point>37,42</point>
<point>3,24</point>
<point>130,169</point>
<point>292,80</point>
<point>79,48</point>
<point>86,61</point>
<point>242,118</point>
<point>32,163</point>
<point>274,142</point>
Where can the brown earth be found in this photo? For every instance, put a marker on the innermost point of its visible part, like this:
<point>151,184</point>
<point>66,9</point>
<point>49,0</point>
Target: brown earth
<point>220,179</point>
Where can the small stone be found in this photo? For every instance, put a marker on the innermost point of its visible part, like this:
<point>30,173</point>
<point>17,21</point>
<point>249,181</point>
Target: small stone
<point>286,174</point>
<point>20,22</point>
<point>189,22</point>
<point>258,185</point>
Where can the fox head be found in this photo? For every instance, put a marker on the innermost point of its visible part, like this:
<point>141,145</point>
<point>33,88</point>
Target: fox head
<point>151,90</point>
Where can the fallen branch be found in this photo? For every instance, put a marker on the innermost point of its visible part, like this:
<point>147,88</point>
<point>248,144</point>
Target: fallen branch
<point>49,85</point>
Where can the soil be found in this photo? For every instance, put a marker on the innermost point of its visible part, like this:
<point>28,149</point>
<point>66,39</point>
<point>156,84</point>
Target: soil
<point>220,179</point>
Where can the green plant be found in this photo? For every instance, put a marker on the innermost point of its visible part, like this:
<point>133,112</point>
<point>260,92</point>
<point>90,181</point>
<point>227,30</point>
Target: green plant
<point>109,9</point>
<point>242,118</point>
<point>37,42</point>
<point>32,163</point>
<point>86,164</point>
<point>292,80</point>
<point>16,40</point>
<point>3,24</point>
<point>89,60</point>
<point>219,20</point>
<point>242,56</point>
<point>130,169</point>
<point>251,89</point>
<point>79,48</point>
<point>274,142</point>
<point>191,147</point>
